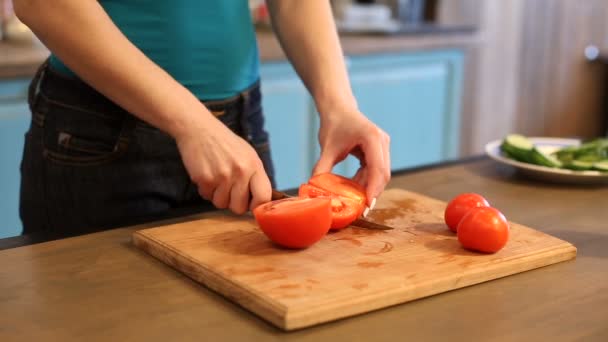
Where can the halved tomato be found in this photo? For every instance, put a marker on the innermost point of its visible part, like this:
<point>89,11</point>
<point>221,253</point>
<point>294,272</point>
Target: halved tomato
<point>295,222</point>
<point>344,209</point>
<point>340,186</point>
<point>307,190</point>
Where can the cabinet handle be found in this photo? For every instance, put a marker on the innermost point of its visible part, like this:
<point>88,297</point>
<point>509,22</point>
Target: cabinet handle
<point>592,53</point>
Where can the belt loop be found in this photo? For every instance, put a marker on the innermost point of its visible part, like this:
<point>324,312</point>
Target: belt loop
<point>35,84</point>
<point>34,96</point>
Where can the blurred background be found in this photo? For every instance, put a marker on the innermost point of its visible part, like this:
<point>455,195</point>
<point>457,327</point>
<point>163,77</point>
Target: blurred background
<point>442,77</point>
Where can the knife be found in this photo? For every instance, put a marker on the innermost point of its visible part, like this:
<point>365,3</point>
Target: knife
<point>358,223</point>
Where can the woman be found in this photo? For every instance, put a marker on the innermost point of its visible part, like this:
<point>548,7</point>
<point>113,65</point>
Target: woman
<point>147,106</point>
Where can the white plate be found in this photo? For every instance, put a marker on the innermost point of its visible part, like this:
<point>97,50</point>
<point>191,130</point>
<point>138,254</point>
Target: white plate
<point>548,145</point>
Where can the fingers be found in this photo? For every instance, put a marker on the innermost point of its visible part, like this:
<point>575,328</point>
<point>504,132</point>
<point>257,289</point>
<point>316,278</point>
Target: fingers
<point>221,195</point>
<point>239,197</point>
<point>261,190</point>
<point>224,167</point>
<point>377,164</point>
<point>330,156</point>
<point>326,162</point>
<point>361,176</point>
<point>386,142</point>
<point>206,187</point>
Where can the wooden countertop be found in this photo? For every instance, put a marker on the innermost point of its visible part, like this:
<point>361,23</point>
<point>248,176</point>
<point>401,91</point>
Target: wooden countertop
<point>99,287</point>
<point>23,60</point>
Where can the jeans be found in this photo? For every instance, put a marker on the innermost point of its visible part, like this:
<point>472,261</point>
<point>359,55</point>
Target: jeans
<point>89,165</point>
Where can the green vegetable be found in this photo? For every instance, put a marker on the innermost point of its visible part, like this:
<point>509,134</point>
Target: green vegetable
<point>517,147</point>
<point>579,165</point>
<point>601,166</point>
<point>539,158</point>
<point>591,155</point>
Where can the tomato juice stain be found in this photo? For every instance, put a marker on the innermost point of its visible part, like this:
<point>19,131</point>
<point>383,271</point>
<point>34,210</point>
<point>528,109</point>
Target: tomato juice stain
<point>400,209</point>
<point>351,240</point>
<point>370,264</point>
<point>365,231</point>
<point>360,286</point>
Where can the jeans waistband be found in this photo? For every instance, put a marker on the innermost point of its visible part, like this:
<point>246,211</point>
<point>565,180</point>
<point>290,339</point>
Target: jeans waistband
<point>55,87</point>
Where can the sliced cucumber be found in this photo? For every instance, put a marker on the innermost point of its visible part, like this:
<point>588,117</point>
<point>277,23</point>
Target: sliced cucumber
<point>566,154</point>
<point>601,166</point>
<point>517,147</point>
<point>592,158</point>
<point>542,159</point>
<point>579,165</point>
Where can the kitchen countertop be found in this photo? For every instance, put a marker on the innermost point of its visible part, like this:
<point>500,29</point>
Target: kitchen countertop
<point>361,44</point>
<point>99,287</point>
<point>19,60</point>
<point>23,60</point>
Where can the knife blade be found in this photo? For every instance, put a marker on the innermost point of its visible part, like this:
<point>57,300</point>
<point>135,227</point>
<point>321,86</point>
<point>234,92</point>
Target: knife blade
<point>358,223</point>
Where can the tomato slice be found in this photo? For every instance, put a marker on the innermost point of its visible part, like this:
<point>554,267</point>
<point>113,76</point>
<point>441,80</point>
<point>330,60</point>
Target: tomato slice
<point>295,222</point>
<point>307,190</point>
<point>344,209</point>
<point>340,186</point>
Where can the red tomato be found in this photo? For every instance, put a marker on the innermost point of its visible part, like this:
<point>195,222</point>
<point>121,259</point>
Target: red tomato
<point>344,209</point>
<point>340,186</point>
<point>295,222</point>
<point>307,190</point>
<point>460,205</point>
<point>483,229</point>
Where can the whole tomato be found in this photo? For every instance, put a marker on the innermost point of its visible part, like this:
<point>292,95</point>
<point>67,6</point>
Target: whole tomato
<point>483,229</point>
<point>460,206</point>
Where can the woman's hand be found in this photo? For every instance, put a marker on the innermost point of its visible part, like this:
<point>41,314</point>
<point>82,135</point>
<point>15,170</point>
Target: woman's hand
<point>317,56</point>
<point>350,132</point>
<point>226,169</point>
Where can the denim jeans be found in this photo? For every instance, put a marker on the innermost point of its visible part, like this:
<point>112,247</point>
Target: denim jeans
<point>89,165</point>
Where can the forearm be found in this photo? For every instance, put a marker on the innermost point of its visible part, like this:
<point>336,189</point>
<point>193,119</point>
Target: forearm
<point>306,31</point>
<point>82,35</point>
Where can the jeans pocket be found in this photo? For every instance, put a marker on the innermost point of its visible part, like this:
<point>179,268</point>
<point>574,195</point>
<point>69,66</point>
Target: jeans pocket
<point>78,138</point>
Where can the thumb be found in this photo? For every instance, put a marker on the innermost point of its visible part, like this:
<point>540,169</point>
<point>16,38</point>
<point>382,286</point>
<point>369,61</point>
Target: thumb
<point>325,163</point>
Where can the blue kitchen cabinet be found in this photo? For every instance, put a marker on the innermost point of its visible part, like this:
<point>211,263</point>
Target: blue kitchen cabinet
<point>14,120</point>
<point>289,120</point>
<point>415,98</point>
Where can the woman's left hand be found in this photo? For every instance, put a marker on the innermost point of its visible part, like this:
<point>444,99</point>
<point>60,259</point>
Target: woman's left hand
<point>350,132</point>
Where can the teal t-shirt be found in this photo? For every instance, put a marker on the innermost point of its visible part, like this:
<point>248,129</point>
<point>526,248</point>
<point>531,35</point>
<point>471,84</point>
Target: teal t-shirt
<point>209,46</point>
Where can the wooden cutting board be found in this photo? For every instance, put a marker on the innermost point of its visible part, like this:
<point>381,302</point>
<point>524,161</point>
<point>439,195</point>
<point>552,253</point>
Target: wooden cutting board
<point>349,272</point>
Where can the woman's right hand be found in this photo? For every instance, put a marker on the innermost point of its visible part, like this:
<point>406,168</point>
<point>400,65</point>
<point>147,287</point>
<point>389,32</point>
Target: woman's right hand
<point>226,169</point>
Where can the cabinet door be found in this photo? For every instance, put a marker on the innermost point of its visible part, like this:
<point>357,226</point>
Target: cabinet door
<point>415,98</point>
<point>14,120</point>
<point>289,121</point>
